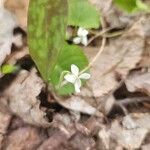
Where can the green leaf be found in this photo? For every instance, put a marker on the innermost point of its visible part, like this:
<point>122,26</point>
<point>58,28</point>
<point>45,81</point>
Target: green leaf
<point>82,13</point>
<point>8,68</point>
<point>126,5</point>
<point>70,54</point>
<point>132,6</point>
<point>142,6</point>
<point>47,21</point>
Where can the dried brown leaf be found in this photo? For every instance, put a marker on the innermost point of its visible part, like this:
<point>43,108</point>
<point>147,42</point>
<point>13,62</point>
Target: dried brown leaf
<point>78,104</point>
<point>54,142</point>
<point>26,138</point>
<point>4,122</point>
<point>146,147</point>
<point>139,82</point>
<point>81,142</point>
<point>19,8</point>
<point>22,98</point>
<point>139,119</point>
<point>129,139</point>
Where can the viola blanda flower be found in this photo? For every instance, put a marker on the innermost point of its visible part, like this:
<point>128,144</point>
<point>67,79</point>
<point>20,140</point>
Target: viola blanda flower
<point>81,37</point>
<point>75,77</point>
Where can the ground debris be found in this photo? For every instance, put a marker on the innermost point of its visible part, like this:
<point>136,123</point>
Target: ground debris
<point>19,8</point>
<point>130,139</point>
<point>31,117</point>
<point>22,98</point>
<point>4,123</point>
<point>139,82</point>
<point>23,138</point>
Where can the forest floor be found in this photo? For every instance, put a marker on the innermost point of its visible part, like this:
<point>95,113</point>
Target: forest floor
<point>111,112</point>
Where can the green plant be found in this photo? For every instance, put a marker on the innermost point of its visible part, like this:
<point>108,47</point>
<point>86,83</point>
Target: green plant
<point>47,23</point>
<point>7,68</point>
<point>132,6</point>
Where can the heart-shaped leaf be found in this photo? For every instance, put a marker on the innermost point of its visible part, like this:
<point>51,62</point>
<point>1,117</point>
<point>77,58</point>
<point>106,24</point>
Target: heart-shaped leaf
<point>47,21</point>
<point>70,54</point>
<point>83,14</point>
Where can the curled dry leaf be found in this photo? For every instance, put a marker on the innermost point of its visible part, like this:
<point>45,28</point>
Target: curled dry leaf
<point>139,82</point>
<point>22,98</point>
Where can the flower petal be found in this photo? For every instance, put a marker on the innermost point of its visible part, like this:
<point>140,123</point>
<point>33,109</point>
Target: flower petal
<point>77,85</point>
<point>84,40</point>
<point>85,76</point>
<point>75,70</point>
<point>77,40</point>
<point>82,32</point>
<point>70,78</point>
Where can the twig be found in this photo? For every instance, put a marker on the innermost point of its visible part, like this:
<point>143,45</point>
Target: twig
<point>128,101</point>
<point>99,52</point>
<point>101,33</point>
<point>96,57</point>
<point>114,34</point>
<point>105,34</point>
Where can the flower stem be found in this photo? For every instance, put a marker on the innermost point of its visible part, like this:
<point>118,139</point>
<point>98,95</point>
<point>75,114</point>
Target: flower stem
<point>99,52</point>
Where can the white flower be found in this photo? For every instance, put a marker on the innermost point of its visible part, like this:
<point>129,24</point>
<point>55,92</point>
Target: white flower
<point>75,77</point>
<point>82,37</point>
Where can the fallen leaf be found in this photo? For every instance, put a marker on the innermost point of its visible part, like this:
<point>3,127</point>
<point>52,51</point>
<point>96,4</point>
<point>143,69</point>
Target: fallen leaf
<point>139,82</point>
<point>81,142</point>
<point>104,135</point>
<point>146,147</point>
<point>129,139</point>
<point>78,104</point>
<point>140,120</point>
<point>27,138</point>
<point>4,122</point>
<point>19,8</point>
<point>22,98</point>
<point>54,142</point>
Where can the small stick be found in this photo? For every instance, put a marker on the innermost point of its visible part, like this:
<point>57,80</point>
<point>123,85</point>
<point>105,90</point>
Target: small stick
<point>127,101</point>
<point>99,52</point>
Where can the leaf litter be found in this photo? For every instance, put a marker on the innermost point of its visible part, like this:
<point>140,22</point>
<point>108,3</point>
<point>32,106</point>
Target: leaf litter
<point>78,119</point>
